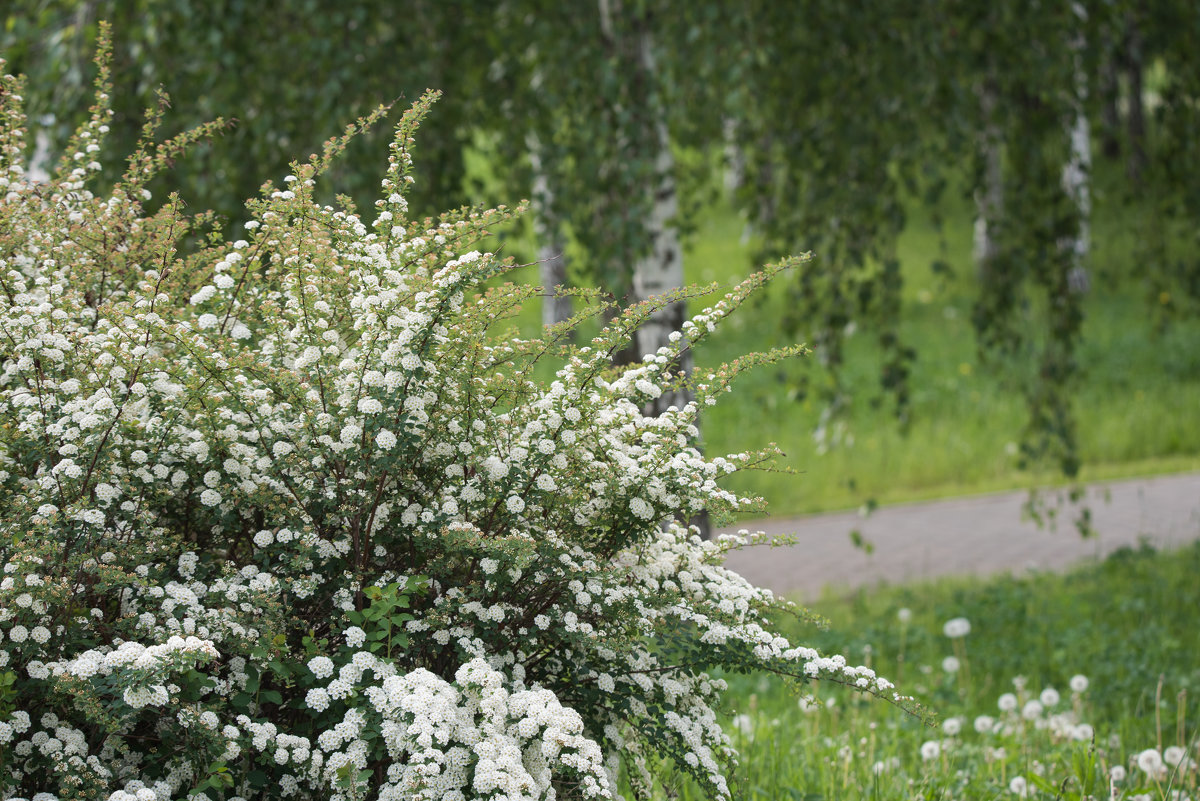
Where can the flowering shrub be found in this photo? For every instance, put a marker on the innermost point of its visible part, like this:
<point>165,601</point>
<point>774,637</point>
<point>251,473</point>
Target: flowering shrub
<point>283,518</point>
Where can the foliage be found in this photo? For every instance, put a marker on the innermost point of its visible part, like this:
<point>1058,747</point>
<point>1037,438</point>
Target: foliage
<point>895,101</point>
<point>284,516</point>
<point>230,65</point>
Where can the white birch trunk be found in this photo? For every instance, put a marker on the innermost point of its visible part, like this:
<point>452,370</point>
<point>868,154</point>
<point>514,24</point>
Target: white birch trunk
<point>662,270</point>
<point>1076,175</point>
<point>39,171</point>
<point>552,259</point>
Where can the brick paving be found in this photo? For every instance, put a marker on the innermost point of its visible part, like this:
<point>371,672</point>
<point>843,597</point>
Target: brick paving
<point>982,535</point>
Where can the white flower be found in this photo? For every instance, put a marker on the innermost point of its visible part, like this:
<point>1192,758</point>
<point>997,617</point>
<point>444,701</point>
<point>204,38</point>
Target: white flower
<point>515,504</point>
<point>1018,786</point>
<point>950,664</point>
<point>952,726</point>
<point>1173,755</point>
<point>355,636</point>
<point>1032,710</point>
<point>1007,702</point>
<point>496,468</point>
<point>385,439</point>
<point>641,509</point>
<point>1049,697</point>
<point>321,667</point>
<point>317,699</point>
<point>1079,683</point>
<point>1117,773</point>
<point>904,615</point>
<point>984,724</point>
<point>956,628</point>
<point>1150,762</point>
<point>210,497</point>
<point>930,749</point>
<point>204,294</point>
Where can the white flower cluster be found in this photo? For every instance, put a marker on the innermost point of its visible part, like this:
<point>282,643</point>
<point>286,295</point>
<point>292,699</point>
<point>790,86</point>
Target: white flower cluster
<point>288,521</point>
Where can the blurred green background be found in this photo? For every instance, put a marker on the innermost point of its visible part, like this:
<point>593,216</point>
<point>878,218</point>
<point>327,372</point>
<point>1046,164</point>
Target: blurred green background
<point>1063,345</point>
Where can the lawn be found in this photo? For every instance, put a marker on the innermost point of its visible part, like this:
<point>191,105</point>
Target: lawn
<point>1063,682</point>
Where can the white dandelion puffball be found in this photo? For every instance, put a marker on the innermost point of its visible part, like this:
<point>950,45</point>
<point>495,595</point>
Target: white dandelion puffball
<point>1032,710</point>
<point>956,627</point>
<point>1150,762</point>
<point>1079,683</point>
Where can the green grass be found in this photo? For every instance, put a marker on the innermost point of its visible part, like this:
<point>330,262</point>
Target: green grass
<point>1127,624</point>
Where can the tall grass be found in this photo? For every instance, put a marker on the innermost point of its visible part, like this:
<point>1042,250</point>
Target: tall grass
<point>1064,682</point>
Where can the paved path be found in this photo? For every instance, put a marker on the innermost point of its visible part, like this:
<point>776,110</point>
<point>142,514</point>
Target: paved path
<point>981,535</point>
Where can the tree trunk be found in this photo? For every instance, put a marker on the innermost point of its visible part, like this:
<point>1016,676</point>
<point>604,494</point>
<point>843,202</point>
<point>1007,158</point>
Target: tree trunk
<point>552,259</point>
<point>39,171</point>
<point>1076,176</point>
<point>662,270</point>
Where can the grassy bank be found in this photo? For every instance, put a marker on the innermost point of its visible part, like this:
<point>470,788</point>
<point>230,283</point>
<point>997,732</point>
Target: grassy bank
<point>1136,401</point>
<point>1063,682</point>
